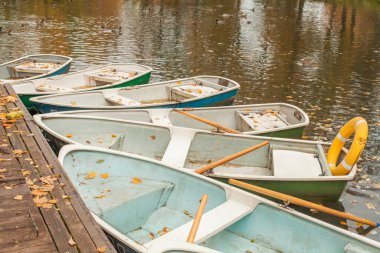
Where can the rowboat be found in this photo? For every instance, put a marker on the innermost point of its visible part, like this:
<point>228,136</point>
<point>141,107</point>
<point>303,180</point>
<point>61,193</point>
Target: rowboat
<point>199,91</point>
<point>141,203</point>
<point>274,120</point>
<point>109,76</point>
<point>294,167</point>
<point>33,67</point>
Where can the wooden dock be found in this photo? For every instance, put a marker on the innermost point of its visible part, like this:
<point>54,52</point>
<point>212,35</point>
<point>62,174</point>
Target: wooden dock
<point>40,211</point>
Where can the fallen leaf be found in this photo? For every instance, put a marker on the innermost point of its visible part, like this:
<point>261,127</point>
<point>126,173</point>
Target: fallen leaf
<point>152,137</point>
<point>136,180</point>
<point>72,242</point>
<point>370,206</point>
<point>100,196</point>
<point>53,201</point>
<point>104,175</point>
<point>114,135</point>
<point>66,197</point>
<point>101,249</point>
<point>38,192</point>
<point>69,135</point>
<point>90,175</point>
<point>25,172</point>
<point>151,235</point>
<point>8,187</point>
<point>343,223</point>
<point>18,197</point>
<point>18,152</point>
<point>100,161</point>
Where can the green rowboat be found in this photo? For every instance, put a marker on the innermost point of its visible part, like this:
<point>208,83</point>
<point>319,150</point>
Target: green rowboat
<point>294,167</point>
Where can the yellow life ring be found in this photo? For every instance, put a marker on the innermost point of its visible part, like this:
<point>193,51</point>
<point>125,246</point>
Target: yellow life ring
<point>357,125</point>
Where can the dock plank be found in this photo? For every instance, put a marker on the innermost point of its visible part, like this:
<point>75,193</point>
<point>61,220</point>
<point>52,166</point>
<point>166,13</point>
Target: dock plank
<point>31,228</point>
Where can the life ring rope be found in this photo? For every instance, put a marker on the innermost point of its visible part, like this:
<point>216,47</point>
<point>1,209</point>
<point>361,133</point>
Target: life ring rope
<point>357,125</point>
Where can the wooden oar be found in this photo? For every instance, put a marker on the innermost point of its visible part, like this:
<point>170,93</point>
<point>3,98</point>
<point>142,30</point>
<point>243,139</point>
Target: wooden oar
<point>301,202</point>
<point>206,121</point>
<point>212,165</point>
<point>197,219</point>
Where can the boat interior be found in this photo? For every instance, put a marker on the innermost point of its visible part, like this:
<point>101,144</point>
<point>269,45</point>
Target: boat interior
<point>183,147</point>
<point>30,66</point>
<point>86,79</point>
<point>167,92</point>
<point>243,119</point>
<point>147,202</point>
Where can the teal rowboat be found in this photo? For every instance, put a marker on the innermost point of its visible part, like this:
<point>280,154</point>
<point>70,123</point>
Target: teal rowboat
<point>34,66</point>
<point>294,167</point>
<point>198,91</point>
<point>141,203</point>
<point>103,77</point>
<point>274,120</point>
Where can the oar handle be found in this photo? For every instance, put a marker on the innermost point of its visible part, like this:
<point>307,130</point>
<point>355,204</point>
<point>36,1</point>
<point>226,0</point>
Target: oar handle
<point>197,219</point>
<point>206,121</point>
<point>212,165</point>
<point>301,202</point>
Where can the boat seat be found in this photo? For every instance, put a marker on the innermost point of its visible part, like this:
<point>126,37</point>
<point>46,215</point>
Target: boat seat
<point>117,99</point>
<point>49,87</point>
<point>124,199</point>
<point>160,117</point>
<point>178,147</point>
<point>258,121</point>
<point>295,164</point>
<point>212,222</point>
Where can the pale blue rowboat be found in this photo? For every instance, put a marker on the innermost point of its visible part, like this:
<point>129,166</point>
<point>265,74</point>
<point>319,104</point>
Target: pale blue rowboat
<point>142,203</point>
<point>274,120</point>
<point>33,67</point>
<point>294,167</point>
<point>199,91</point>
<point>103,77</point>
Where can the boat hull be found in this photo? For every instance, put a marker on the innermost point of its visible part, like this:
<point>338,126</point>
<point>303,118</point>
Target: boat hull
<point>119,246</point>
<point>312,190</point>
<point>144,79</point>
<point>222,99</point>
<point>294,133</point>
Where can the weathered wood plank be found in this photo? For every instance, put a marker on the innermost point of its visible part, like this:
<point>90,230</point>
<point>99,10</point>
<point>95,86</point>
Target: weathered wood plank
<point>68,219</point>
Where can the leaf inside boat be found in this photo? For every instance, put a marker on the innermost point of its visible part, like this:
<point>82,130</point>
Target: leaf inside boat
<point>90,175</point>
<point>136,180</point>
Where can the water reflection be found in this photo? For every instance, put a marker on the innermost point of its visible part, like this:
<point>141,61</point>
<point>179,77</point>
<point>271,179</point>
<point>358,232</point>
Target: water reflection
<point>323,56</point>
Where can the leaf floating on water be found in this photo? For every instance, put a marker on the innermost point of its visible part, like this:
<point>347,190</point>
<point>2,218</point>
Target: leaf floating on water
<point>72,242</point>
<point>69,135</point>
<point>100,161</point>
<point>18,197</point>
<point>370,206</point>
<point>101,249</point>
<point>90,175</point>
<point>104,175</point>
<point>136,180</point>
<point>313,210</point>
<point>343,223</point>
<point>151,235</point>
